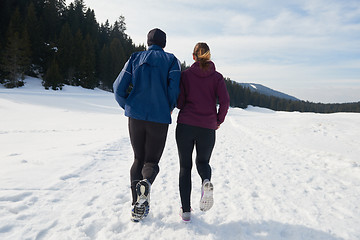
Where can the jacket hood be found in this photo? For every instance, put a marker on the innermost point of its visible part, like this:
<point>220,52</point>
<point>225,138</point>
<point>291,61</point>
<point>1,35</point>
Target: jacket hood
<point>198,71</point>
<point>151,57</point>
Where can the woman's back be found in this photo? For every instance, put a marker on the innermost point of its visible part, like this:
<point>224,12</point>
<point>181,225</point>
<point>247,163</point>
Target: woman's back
<point>199,91</point>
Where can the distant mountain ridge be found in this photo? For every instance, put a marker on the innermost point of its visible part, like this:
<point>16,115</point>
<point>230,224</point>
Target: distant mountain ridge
<point>254,87</point>
<point>243,95</point>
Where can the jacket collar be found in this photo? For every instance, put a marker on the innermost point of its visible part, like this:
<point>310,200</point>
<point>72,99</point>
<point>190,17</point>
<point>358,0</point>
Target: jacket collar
<point>155,47</point>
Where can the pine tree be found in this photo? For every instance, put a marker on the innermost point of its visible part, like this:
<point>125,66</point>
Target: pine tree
<point>184,66</point>
<point>87,65</point>
<point>75,16</point>
<point>66,53</point>
<point>117,58</point>
<point>51,15</point>
<point>77,58</point>
<point>104,33</point>
<point>5,13</point>
<point>26,48</point>
<point>119,28</point>
<point>2,73</point>
<point>53,77</point>
<point>90,24</point>
<point>36,40</point>
<point>15,59</point>
<point>105,70</point>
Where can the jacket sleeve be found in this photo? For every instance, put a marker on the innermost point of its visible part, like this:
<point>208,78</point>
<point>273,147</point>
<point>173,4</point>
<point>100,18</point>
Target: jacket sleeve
<point>122,83</point>
<point>224,101</point>
<point>181,99</point>
<point>173,83</point>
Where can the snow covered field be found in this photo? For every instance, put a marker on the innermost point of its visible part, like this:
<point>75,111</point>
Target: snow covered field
<point>64,173</point>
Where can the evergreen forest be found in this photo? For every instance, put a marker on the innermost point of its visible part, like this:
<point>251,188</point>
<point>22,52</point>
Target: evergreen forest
<point>66,45</point>
<point>61,44</point>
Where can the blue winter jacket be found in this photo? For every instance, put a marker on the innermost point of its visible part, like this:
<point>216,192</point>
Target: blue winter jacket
<point>155,78</point>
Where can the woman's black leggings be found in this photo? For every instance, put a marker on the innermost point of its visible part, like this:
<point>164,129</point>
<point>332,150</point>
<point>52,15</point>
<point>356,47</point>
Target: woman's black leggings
<point>186,138</point>
<point>148,142</point>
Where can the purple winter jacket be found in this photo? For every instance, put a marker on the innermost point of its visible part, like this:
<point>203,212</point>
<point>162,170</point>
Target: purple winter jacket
<point>199,90</point>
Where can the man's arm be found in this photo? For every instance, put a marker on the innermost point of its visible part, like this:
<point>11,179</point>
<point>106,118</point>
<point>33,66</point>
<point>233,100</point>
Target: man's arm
<point>122,83</point>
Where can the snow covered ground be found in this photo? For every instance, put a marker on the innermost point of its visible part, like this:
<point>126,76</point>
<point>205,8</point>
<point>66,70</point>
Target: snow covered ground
<point>65,159</point>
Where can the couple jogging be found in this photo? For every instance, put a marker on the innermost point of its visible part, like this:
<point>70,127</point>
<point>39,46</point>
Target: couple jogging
<point>148,88</point>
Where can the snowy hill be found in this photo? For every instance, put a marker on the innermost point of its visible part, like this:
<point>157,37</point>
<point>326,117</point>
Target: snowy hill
<point>254,87</point>
<point>65,159</point>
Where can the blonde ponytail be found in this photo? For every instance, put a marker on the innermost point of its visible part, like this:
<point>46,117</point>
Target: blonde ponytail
<point>202,54</point>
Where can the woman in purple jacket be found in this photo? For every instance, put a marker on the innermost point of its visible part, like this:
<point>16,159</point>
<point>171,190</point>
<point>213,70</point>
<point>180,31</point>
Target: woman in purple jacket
<point>201,86</point>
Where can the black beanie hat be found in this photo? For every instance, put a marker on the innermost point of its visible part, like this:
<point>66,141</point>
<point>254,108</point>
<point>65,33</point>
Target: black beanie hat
<point>157,37</point>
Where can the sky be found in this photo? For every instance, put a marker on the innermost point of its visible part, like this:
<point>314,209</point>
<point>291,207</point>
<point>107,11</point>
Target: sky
<point>309,49</point>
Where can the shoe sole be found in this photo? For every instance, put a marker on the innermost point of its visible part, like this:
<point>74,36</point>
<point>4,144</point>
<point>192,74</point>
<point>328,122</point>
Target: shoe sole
<point>141,207</point>
<point>207,199</point>
<point>134,219</point>
<point>185,221</point>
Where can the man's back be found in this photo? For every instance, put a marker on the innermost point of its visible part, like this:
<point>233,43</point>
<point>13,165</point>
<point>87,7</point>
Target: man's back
<point>155,77</point>
<point>150,97</point>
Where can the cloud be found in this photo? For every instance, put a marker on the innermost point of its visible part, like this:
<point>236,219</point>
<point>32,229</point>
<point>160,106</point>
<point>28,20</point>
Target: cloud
<point>282,44</point>
<point>305,18</point>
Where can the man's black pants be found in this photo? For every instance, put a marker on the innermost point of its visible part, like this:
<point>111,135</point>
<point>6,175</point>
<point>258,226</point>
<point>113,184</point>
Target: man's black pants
<point>148,142</point>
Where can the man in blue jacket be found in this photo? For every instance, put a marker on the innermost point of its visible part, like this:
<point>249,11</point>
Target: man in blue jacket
<point>147,89</point>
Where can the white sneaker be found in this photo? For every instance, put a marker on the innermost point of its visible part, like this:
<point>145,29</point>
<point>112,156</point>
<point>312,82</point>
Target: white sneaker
<point>207,200</point>
<point>185,216</point>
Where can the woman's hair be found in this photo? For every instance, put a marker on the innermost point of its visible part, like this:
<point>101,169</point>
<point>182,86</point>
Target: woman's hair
<point>202,54</point>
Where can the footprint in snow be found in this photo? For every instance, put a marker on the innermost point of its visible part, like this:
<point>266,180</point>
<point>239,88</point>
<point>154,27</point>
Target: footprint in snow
<point>15,198</point>
<point>66,177</point>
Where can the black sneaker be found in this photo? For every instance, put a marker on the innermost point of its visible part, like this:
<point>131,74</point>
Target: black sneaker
<point>141,212</point>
